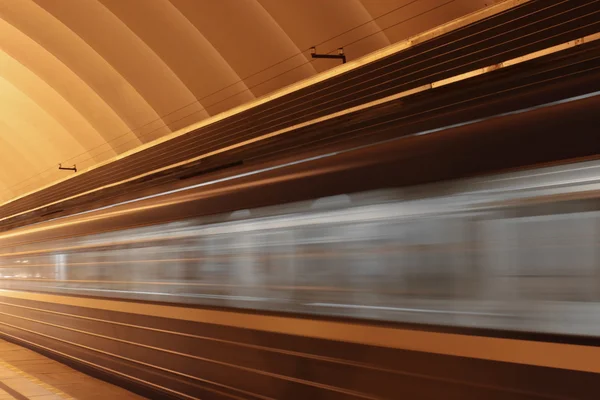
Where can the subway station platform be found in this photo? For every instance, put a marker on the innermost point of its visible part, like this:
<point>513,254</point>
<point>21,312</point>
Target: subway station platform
<point>25,374</point>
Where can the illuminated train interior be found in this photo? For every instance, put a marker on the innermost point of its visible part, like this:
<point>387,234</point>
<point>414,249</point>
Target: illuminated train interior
<point>512,251</point>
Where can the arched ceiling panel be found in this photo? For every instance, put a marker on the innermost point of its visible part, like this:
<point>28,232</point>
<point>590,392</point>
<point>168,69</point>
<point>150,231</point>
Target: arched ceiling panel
<point>86,80</point>
<point>65,82</point>
<point>251,40</point>
<point>20,174</point>
<point>328,25</point>
<point>187,53</point>
<point>35,131</point>
<point>17,146</point>
<point>81,58</point>
<point>132,58</point>
<point>51,102</point>
<point>21,169</point>
<point>32,135</point>
<point>18,165</point>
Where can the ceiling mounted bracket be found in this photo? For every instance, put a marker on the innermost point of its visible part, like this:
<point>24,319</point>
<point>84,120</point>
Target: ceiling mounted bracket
<point>339,56</point>
<point>73,168</point>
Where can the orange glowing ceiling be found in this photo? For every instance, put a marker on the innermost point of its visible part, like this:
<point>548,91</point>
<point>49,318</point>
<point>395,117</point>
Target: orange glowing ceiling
<point>82,81</point>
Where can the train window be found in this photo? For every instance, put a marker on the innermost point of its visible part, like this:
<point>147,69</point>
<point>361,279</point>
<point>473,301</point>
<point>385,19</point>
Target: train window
<point>549,257</point>
<point>555,245</point>
<point>434,256</point>
<point>60,266</point>
<point>362,265</point>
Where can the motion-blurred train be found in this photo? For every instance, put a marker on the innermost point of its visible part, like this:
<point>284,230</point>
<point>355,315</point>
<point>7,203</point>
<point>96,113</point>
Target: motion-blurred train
<point>518,250</point>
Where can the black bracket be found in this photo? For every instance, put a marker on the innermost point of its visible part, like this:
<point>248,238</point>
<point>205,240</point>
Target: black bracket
<point>73,168</point>
<point>339,56</point>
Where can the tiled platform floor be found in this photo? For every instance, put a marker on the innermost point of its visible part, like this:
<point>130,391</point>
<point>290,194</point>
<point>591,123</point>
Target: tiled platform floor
<point>25,374</point>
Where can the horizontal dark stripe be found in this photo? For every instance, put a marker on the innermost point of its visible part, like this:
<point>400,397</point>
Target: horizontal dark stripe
<point>379,372</point>
<point>419,327</point>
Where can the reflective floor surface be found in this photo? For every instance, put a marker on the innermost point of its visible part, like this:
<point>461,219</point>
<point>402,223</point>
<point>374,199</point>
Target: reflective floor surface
<point>25,374</point>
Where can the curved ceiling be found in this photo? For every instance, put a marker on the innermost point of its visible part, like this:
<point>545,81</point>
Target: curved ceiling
<point>82,81</point>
